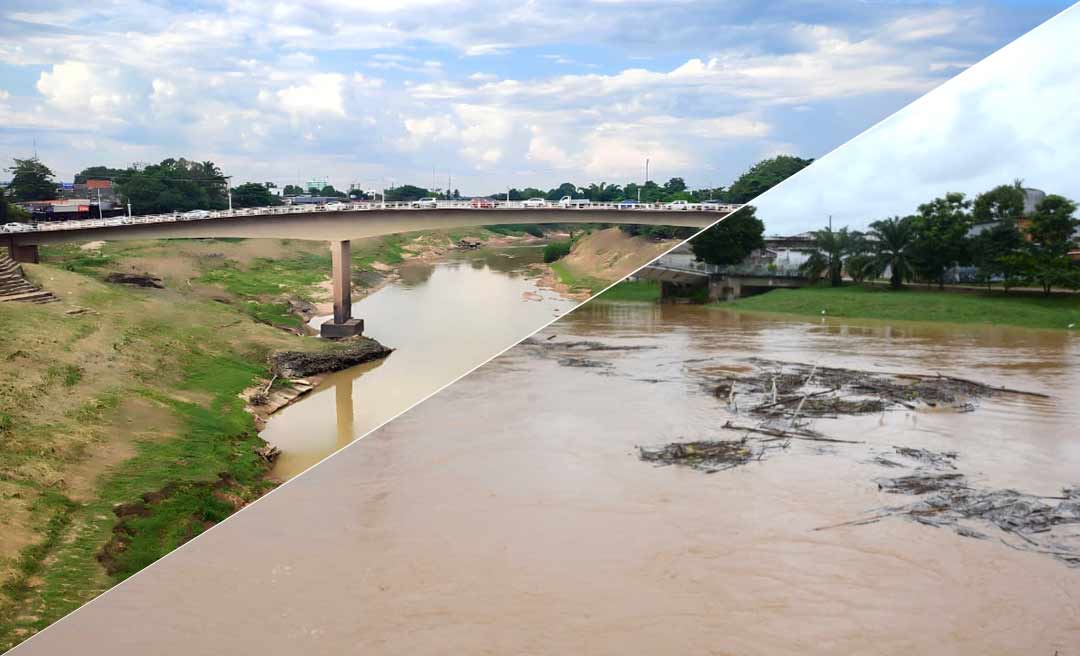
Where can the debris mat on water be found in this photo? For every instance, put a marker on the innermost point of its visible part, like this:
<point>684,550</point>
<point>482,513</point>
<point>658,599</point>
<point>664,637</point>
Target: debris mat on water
<point>780,389</point>
<point>706,455</point>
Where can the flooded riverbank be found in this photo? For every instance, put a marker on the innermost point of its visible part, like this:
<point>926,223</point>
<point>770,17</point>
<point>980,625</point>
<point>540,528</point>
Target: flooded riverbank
<point>442,319</point>
<point>512,512</point>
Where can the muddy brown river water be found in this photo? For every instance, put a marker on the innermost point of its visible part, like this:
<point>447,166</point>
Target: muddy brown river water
<point>442,319</point>
<point>511,513</point>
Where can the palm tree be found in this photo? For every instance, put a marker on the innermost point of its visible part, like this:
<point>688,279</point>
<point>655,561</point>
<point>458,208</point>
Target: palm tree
<point>831,247</point>
<point>892,248</point>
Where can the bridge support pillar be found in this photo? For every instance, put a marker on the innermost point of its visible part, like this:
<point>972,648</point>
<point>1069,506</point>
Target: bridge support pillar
<point>23,253</point>
<point>343,325</point>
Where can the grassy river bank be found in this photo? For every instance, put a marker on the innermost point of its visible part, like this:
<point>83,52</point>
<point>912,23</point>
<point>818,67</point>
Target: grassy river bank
<point>123,434</point>
<point>1025,310</point>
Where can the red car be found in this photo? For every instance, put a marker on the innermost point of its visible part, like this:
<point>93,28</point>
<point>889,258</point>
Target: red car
<point>482,203</point>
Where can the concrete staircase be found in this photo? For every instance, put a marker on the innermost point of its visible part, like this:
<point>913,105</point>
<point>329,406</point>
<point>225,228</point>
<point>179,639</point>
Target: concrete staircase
<point>15,287</point>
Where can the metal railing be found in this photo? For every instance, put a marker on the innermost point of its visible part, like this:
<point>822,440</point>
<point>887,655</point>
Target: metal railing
<point>174,217</point>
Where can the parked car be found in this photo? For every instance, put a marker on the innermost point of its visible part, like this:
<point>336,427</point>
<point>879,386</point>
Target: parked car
<point>678,205</point>
<point>482,203</point>
<point>534,202</point>
<point>17,227</point>
<point>567,201</point>
<point>195,214</point>
<point>629,204</point>
<point>429,203</point>
<point>334,205</point>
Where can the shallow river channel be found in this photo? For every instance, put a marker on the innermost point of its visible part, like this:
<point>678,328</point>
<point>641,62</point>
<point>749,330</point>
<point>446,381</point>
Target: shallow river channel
<point>443,319</point>
<point>512,513</point>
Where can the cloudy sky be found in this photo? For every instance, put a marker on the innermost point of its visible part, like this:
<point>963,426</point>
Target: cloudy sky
<point>493,93</point>
<point>1012,116</point>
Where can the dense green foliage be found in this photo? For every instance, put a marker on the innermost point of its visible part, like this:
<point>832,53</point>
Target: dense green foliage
<point>31,180</point>
<point>253,194</point>
<point>639,291</point>
<point>557,250</point>
<point>763,176</point>
<point>732,240</point>
<point>928,245</point>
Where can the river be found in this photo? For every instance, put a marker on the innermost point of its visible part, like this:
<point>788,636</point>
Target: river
<point>511,513</point>
<point>443,319</point>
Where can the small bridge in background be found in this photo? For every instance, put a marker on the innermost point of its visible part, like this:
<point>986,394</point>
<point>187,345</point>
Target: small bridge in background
<point>340,223</point>
<point>680,277</point>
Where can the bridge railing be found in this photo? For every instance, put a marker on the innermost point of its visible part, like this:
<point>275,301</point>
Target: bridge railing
<point>277,210</point>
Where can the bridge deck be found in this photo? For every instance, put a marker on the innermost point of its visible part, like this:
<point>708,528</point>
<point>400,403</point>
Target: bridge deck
<point>358,220</point>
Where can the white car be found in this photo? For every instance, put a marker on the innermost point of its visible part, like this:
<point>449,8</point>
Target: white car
<point>335,205</point>
<point>426,202</point>
<point>534,202</point>
<point>678,205</point>
<point>195,214</point>
<point>17,227</point>
<point>567,201</point>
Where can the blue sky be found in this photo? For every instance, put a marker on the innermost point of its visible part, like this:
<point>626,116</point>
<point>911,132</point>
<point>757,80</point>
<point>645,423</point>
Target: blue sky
<point>1011,116</point>
<point>490,93</point>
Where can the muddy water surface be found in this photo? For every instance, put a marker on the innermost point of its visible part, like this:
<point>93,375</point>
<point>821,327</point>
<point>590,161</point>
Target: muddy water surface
<point>442,319</point>
<point>511,514</point>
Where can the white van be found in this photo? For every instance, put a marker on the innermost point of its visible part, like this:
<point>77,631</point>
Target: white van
<point>566,201</point>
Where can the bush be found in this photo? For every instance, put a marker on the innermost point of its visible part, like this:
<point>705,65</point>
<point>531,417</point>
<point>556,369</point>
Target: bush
<point>556,250</point>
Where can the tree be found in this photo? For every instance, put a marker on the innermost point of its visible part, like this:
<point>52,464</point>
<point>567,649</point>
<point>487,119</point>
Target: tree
<point>674,186</point>
<point>991,251</point>
<point>174,185</point>
<point>253,194</point>
<point>892,247</point>
<point>330,192</point>
<point>9,212</point>
<point>292,190</point>
<point>941,228</point>
<point>99,173</point>
<point>1004,202</point>
<point>31,180</point>
<point>1051,237</point>
<point>831,247</point>
<point>763,176</point>
<point>732,240</point>
<point>406,193</point>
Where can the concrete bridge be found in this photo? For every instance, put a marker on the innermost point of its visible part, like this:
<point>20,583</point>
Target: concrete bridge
<point>341,223</point>
<point>722,283</point>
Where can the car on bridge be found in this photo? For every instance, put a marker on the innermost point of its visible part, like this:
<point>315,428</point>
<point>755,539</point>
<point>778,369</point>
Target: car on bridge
<point>429,203</point>
<point>334,205</point>
<point>628,204</point>
<point>17,227</point>
<point>678,205</point>
<point>534,202</point>
<point>195,214</point>
<point>711,204</point>
<point>482,203</point>
<point>567,201</point>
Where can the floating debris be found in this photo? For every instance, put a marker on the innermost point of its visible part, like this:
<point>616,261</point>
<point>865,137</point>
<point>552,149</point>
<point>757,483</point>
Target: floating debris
<point>784,389</point>
<point>709,455</point>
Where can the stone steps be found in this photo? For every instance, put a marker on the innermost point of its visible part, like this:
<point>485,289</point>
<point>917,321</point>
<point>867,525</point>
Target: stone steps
<point>15,287</point>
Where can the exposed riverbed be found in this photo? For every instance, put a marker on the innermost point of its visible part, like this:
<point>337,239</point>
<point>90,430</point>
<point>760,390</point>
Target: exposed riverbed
<point>512,512</point>
<point>442,319</point>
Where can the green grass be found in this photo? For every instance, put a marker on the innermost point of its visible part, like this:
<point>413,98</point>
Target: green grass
<point>639,291</point>
<point>270,277</point>
<point>274,314</point>
<point>1029,311</point>
<point>576,282</point>
<point>388,250</point>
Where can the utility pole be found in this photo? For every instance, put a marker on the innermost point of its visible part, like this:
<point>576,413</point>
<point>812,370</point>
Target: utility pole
<point>646,178</point>
<point>228,187</point>
<point>99,214</point>
<point>129,209</point>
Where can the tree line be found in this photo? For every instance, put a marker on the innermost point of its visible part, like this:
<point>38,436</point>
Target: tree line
<point>989,233</point>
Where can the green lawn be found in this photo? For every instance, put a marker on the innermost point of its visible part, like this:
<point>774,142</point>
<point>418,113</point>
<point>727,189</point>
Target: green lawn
<point>640,291</point>
<point>1029,311</point>
<point>576,282</point>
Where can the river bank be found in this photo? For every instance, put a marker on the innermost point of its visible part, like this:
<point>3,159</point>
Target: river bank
<point>966,306</point>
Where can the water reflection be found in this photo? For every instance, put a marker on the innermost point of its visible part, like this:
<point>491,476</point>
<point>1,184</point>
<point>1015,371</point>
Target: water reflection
<point>442,319</point>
